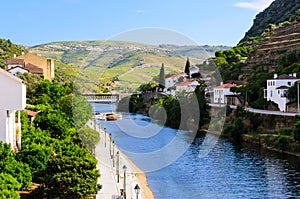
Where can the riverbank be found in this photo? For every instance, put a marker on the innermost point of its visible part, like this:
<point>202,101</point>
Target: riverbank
<point>107,164</point>
<point>262,140</point>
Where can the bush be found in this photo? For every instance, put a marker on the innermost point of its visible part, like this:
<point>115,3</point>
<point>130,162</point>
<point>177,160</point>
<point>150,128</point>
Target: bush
<point>8,186</point>
<point>285,131</point>
<point>297,131</point>
<point>9,165</point>
<point>89,137</point>
<point>282,143</point>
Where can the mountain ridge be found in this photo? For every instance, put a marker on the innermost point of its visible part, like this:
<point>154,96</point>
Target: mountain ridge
<point>279,11</point>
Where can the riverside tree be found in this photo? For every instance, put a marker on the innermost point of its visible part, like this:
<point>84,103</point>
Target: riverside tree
<point>58,159</point>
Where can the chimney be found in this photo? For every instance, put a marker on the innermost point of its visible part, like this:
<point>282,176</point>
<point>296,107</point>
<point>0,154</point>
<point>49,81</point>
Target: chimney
<point>275,76</point>
<point>294,74</point>
<point>221,83</point>
<point>15,55</point>
<point>22,52</point>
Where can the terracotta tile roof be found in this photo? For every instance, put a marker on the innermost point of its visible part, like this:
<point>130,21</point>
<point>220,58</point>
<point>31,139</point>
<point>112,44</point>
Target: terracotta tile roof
<point>186,83</point>
<point>228,85</point>
<point>176,76</point>
<point>34,69</point>
<point>31,113</point>
<point>15,61</point>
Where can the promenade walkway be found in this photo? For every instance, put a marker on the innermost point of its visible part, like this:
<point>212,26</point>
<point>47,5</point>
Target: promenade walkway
<point>108,170</point>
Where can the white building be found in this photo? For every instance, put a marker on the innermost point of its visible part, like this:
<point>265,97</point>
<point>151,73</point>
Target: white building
<point>194,69</point>
<point>277,89</point>
<point>187,86</point>
<point>223,95</point>
<point>171,81</point>
<point>13,99</point>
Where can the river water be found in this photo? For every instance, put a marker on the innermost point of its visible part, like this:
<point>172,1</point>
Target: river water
<point>227,171</point>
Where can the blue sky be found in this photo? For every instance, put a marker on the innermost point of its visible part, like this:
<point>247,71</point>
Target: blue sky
<point>211,22</point>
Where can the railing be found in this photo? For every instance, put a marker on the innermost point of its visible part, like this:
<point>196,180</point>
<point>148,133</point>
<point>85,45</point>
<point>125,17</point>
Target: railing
<point>102,97</point>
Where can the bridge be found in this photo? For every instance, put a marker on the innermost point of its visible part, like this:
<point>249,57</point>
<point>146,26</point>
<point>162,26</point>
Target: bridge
<point>103,98</point>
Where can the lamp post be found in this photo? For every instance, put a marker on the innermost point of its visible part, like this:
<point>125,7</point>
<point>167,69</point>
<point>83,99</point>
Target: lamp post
<point>298,82</point>
<point>110,145</point>
<point>118,165</point>
<point>137,190</point>
<point>124,168</point>
<point>113,153</point>
<point>104,137</point>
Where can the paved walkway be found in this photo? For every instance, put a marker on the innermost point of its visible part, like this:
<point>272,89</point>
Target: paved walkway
<point>261,111</point>
<point>108,170</point>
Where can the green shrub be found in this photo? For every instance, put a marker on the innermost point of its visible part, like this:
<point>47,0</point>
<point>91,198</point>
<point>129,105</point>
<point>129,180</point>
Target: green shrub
<point>8,186</point>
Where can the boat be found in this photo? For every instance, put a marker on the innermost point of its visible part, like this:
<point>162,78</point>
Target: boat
<point>111,117</point>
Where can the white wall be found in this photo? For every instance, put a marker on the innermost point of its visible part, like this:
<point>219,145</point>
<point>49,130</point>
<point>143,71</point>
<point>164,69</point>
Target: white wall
<point>274,96</point>
<point>12,92</point>
<point>13,97</point>
<point>17,71</point>
<point>220,93</point>
<point>13,65</point>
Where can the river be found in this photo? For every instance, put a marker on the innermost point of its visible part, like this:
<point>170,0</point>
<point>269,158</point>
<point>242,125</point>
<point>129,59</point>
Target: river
<point>227,171</point>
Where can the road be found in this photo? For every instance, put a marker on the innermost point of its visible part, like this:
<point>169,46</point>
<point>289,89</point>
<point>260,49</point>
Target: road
<point>261,111</point>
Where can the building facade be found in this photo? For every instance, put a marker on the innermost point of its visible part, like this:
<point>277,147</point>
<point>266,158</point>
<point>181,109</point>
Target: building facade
<point>12,100</point>
<point>277,89</point>
<point>33,64</point>
<point>187,86</point>
<point>223,95</point>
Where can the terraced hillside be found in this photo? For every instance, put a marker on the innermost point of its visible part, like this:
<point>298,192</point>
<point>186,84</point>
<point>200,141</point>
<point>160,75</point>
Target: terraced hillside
<point>127,64</point>
<point>268,52</point>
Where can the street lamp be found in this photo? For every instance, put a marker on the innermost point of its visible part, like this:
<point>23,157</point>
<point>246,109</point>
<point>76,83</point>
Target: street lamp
<point>137,190</point>
<point>104,137</point>
<point>110,145</point>
<point>118,165</point>
<point>113,153</point>
<point>124,168</point>
<point>298,94</point>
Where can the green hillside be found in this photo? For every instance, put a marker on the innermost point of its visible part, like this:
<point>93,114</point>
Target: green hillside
<point>279,11</point>
<point>8,50</point>
<point>118,64</point>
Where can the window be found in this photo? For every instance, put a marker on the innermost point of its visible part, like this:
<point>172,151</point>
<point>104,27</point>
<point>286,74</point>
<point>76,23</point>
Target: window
<point>289,83</point>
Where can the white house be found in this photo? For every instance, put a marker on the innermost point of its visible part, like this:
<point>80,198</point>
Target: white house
<point>13,99</point>
<point>187,86</point>
<point>277,89</point>
<point>171,81</point>
<point>194,69</point>
<point>223,95</point>
<point>17,70</point>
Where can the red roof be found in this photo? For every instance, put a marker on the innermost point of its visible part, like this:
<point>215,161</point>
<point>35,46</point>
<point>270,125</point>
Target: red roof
<point>31,113</point>
<point>34,69</point>
<point>186,83</point>
<point>228,85</point>
<point>15,61</point>
<point>176,75</point>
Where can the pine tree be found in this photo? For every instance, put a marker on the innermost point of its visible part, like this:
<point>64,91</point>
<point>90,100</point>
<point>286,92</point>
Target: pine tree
<point>162,81</point>
<point>187,67</point>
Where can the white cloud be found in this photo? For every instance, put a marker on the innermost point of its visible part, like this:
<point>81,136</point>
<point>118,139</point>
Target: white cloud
<point>258,5</point>
<point>139,11</point>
